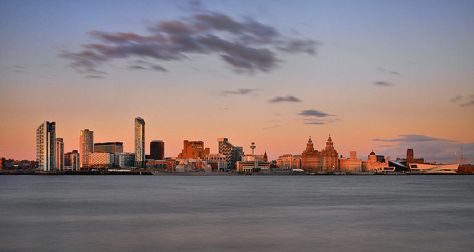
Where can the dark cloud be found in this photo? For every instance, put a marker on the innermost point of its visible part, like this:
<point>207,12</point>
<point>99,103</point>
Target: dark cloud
<point>247,45</point>
<point>317,117</point>
<point>383,83</point>
<point>464,101</point>
<point>288,98</point>
<point>383,70</point>
<point>314,113</point>
<point>457,98</point>
<point>411,138</point>
<point>241,91</point>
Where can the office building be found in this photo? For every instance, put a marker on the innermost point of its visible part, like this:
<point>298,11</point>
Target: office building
<point>351,164</point>
<point>329,157</point>
<point>109,147</point>
<point>139,142</point>
<point>59,154</point>
<point>46,146</point>
<point>310,158</point>
<point>71,161</point>
<point>157,150</point>
<point>101,160</point>
<point>193,150</point>
<point>125,159</point>
<point>289,162</point>
<point>86,146</point>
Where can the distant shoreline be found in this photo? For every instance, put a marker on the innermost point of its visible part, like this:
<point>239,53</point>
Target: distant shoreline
<point>154,173</point>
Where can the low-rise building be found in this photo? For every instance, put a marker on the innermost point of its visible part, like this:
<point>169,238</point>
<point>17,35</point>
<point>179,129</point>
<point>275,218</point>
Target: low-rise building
<point>125,159</point>
<point>289,162</point>
<point>351,164</point>
<point>101,160</point>
<point>71,161</point>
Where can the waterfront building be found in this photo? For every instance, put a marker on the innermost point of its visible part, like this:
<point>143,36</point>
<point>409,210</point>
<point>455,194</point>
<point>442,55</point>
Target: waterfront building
<point>411,158</point>
<point>139,142</point>
<point>217,161</point>
<point>167,165</point>
<point>232,153</point>
<point>193,150</point>
<point>101,160</point>
<point>253,162</point>
<point>377,163</point>
<point>157,150</point>
<point>46,146</point>
<point>86,147</point>
<point>109,147</point>
<point>351,164</point>
<point>289,162</point>
<point>125,160</point>
<point>59,154</point>
<point>310,158</point>
<point>433,168</point>
<point>71,161</point>
<point>329,157</point>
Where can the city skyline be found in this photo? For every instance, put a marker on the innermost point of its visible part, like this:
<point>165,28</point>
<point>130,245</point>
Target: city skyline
<point>376,75</point>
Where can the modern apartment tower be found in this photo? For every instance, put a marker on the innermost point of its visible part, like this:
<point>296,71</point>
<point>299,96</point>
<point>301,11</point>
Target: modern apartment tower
<point>157,150</point>
<point>139,142</point>
<point>46,146</point>
<point>59,154</point>
<point>86,147</point>
<point>231,152</point>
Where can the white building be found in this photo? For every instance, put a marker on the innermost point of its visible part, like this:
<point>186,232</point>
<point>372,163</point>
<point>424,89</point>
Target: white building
<point>139,142</point>
<point>434,168</point>
<point>46,146</point>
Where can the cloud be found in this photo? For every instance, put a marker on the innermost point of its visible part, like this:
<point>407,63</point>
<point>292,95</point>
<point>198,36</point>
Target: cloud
<point>92,76</point>
<point>246,45</point>
<point>314,113</point>
<point>240,91</point>
<point>317,117</point>
<point>457,98</point>
<point>271,127</point>
<point>383,70</point>
<point>144,65</point>
<point>464,101</point>
<point>433,149</point>
<point>288,98</point>
<point>383,83</point>
<point>411,138</point>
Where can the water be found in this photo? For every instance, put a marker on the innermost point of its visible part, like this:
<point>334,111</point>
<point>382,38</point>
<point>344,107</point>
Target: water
<point>237,213</point>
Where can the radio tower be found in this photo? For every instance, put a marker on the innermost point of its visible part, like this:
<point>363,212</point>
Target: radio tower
<point>252,146</point>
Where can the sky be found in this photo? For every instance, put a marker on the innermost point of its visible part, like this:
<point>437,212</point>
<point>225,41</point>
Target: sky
<point>375,75</point>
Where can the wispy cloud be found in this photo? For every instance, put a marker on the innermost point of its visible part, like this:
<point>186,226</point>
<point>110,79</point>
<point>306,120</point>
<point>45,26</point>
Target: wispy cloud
<point>383,83</point>
<point>411,138</point>
<point>246,45</point>
<point>240,91</point>
<point>272,127</point>
<point>144,65</point>
<point>288,98</point>
<point>383,70</point>
<point>464,100</point>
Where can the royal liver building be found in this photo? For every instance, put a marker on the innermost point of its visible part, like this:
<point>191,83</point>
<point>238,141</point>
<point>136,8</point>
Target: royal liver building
<point>325,160</point>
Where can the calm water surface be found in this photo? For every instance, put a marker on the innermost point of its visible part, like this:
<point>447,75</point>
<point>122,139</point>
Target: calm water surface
<point>237,213</point>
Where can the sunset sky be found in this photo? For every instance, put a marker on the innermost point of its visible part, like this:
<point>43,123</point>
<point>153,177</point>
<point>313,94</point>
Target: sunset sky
<point>376,75</point>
